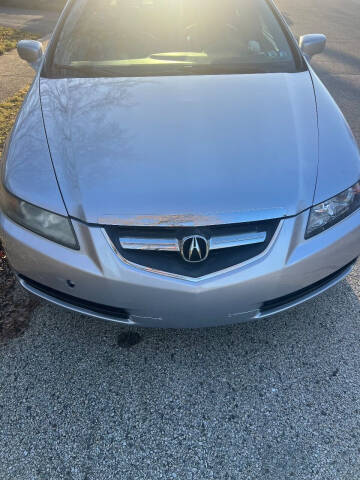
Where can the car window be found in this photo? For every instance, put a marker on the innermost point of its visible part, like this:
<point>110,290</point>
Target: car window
<point>161,37</point>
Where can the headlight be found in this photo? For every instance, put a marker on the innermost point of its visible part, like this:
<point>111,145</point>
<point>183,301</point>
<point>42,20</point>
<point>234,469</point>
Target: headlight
<point>328,213</point>
<point>47,224</point>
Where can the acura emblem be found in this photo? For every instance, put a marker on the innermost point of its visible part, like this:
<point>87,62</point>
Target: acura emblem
<point>195,249</point>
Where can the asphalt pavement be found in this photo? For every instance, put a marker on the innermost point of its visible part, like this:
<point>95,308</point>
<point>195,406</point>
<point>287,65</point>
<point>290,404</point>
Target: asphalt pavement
<point>35,21</point>
<point>274,399</point>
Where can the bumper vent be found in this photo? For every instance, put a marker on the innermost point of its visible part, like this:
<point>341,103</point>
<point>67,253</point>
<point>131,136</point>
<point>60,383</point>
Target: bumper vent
<point>65,299</point>
<point>307,292</point>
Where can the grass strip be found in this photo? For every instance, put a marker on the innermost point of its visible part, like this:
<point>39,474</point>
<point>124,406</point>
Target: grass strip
<point>8,112</point>
<point>9,37</point>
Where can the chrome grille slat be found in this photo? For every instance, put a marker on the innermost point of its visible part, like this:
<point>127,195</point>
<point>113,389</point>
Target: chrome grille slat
<point>152,244</point>
<point>238,240</point>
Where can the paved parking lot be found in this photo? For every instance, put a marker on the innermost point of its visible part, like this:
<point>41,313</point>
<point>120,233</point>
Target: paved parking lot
<point>275,399</point>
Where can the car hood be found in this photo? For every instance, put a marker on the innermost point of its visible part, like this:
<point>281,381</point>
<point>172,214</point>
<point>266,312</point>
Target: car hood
<point>189,150</point>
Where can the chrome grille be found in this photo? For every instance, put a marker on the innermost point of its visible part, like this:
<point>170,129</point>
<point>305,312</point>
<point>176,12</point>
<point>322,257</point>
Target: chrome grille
<point>173,244</point>
<point>158,248</point>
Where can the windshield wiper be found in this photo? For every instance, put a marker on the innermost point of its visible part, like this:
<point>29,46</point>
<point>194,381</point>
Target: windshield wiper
<point>126,70</point>
<point>173,69</point>
<point>87,70</point>
<point>234,64</point>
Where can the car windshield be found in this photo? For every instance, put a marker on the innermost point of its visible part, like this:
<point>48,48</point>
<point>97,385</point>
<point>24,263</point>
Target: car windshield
<point>171,37</point>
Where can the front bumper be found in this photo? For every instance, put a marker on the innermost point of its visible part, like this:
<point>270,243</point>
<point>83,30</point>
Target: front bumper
<point>95,277</point>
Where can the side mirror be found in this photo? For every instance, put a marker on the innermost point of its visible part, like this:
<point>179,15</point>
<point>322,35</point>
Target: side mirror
<point>313,44</point>
<point>31,51</point>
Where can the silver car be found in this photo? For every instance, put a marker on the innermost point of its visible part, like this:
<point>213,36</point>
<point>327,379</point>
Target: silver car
<point>178,163</point>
